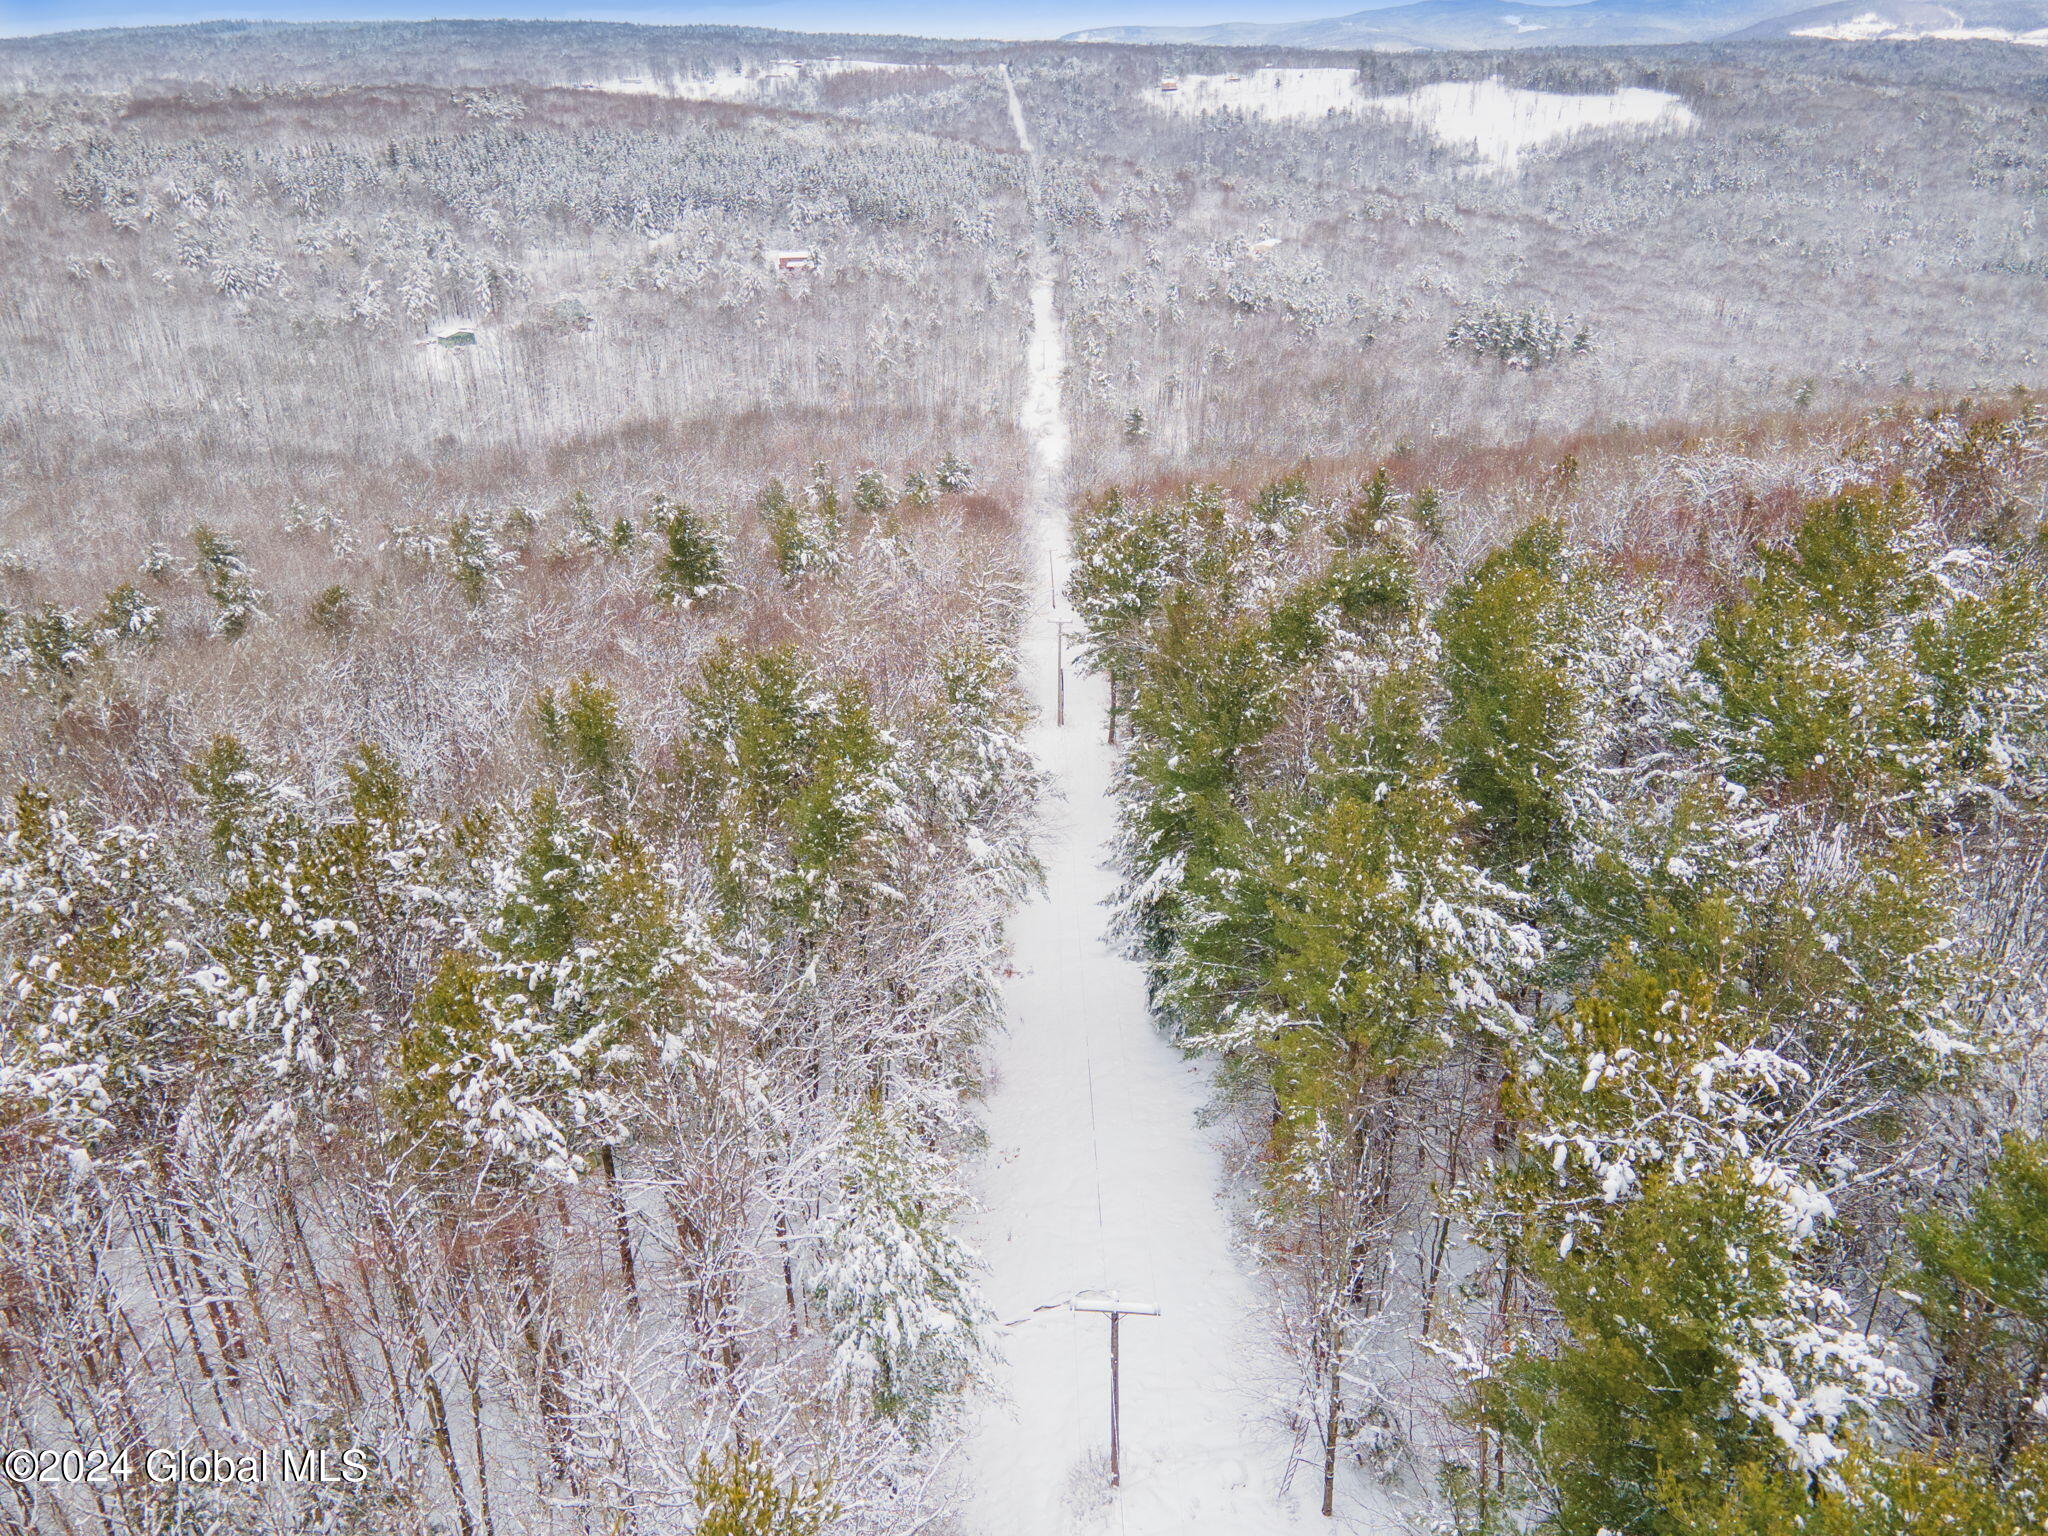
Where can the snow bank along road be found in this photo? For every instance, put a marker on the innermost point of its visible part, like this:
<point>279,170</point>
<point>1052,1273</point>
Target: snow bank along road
<point>1098,1177</point>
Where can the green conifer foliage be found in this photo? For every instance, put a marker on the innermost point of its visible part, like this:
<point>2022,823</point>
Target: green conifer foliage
<point>477,562</point>
<point>803,529</point>
<point>953,475</point>
<point>1125,554</point>
<point>1907,1494</point>
<point>232,788</point>
<point>586,535</point>
<point>334,610</point>
<point>690,566</point>
<point>224,572</point>
<point>1690,1345</point>
<point>797,782</point>
<point>528,1044</point>
<point>581,731</point>
<point>53,652</point>
<point>871,495</point>
<point>740,1494</point>
<point>318,920</point>
<point>906,1317</point>
<point>95,1019</point>
<point>1871,665</point>
<point>1981,1278</point>
<point>1512,721</point>
<point>129,615</point>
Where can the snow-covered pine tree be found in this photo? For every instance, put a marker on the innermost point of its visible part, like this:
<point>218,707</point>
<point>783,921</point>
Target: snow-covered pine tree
<point>1878,666</point>
<point>93,1037</point>
<point>1672,1242</point>
<point>740,1494</point>
<point>896,1287</point>
<point>318,924</point>
<point>224,572</point>
<point>689,565</point>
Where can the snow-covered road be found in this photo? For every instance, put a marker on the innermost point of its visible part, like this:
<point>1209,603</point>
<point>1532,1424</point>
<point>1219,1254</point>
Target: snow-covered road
<point>1098,1175</point>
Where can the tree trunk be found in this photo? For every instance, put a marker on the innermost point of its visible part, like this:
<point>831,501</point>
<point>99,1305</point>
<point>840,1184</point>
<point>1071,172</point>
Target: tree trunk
<point>444,1441</point>
<point>788,1269</point>
<point>1335,1411</point>
<point>623,1225</point>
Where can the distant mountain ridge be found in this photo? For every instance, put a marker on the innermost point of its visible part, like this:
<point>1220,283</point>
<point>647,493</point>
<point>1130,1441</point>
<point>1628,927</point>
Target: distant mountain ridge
<point>1503,24</point>
<point>2013,21</point>
<point>456,52</point>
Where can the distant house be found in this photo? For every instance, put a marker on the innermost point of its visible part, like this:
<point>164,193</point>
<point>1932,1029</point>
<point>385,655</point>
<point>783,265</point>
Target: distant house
<point>791,261</point>
<point>1169,84</point>
<point>451,336</point>
<point>1260,247</point>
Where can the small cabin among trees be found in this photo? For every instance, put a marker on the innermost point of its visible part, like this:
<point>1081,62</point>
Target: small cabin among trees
<point>791,261</point>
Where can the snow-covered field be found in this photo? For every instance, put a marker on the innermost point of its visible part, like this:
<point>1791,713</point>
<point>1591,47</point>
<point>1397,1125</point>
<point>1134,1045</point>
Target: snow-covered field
<point>766,82</point>
<point>1496,124</point>
<point>1870,27</point>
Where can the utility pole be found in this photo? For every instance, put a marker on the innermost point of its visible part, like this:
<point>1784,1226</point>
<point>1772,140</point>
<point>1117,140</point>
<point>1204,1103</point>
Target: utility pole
<point>1060,617</point>
<point>1059,646</point>
<point>1116,1309</point>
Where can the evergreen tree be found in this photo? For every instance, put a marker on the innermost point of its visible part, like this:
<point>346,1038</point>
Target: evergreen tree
<point>871,495</point>
<point>797,784</point>
<point>953,475</point>
<point>585,534</point>
<point>1981,1279</point>
<point>1913,1494</point>
<point>1512,722</point>
<point>581,731</point>
<point>1691,1342</point>
<point>690,566</point>
<point>1124,563</point>
<point>477,562</point>
<point>94,1037</point>
<point>590,969</point>
<point>225,574</point>
<point>897,1289</point>
<point>334,610</point>
<point>130,616</point>
<point>1872,665</point>
<point>53,651</point>
<point>319,917</point>
<point>803,531</point>
<point>740,1494</point>
<point>235,792</point>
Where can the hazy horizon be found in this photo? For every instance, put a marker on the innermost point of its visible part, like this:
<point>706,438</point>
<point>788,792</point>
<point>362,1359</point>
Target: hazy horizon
<point>923,18</point>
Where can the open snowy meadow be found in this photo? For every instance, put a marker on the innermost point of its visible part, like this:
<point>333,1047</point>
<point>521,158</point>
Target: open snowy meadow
<point>1496,124</point>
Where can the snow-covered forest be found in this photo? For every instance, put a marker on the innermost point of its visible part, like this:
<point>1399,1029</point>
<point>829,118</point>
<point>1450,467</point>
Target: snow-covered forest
<point>555,1094</point>
<point>1617,903</point>
<point>573,939</point>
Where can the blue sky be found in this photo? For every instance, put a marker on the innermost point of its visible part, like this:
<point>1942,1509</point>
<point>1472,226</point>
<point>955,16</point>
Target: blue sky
<point>929,18</point>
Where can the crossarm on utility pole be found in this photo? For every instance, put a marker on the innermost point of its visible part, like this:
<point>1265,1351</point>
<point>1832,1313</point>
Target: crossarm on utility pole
<point>1115,1308</point>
